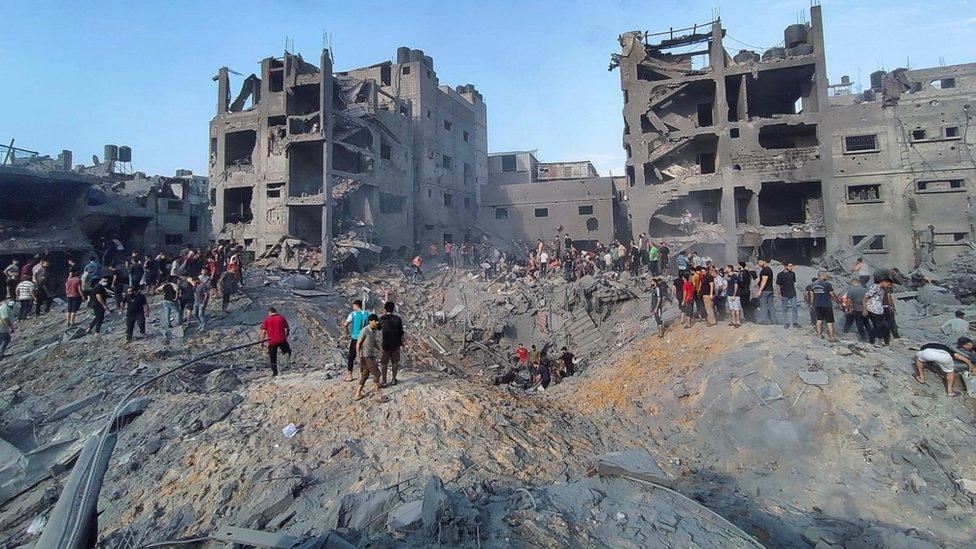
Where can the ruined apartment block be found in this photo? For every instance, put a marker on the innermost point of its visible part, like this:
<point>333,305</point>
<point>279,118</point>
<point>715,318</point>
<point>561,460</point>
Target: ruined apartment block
<point>297,131</point>
<point>768,162</point>
<point>450,144</point>
<point>904,164</point>
<point>519,204</point>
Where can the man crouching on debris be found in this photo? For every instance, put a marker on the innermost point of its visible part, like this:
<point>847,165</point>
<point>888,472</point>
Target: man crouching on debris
<point>945,358</point>
<point>368,349</point>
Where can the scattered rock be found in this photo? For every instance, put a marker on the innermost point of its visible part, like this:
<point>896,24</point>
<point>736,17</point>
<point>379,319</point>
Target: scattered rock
<point>222,380</point>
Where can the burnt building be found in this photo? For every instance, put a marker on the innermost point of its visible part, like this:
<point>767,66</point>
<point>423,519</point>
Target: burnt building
<point>306,153</point>
<point>449,144</point>
<point>747,154</point>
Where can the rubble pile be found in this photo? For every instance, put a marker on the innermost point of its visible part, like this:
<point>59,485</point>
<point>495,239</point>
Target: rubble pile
<point>624,453</point>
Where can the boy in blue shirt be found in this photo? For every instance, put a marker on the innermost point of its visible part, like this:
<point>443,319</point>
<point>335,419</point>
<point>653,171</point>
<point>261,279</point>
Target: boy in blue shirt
<point>353,325</point>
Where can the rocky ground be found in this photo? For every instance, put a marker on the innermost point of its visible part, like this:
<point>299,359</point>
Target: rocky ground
<point>796,441</point>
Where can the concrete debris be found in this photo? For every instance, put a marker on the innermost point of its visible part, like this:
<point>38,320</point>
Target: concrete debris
<point>256,538</point>
<point>223,380</point>
<point>815,377</point>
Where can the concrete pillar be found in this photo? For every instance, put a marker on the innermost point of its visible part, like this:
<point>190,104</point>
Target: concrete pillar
<point>223,90</point>
<point>326,125</point>
<point>824,128</point>
<point>720,119</point>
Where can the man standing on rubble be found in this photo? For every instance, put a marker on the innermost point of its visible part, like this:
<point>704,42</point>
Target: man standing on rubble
<point>40,277</point>
<point>653,259</point>
<point>786,288</point>
<point>873,308</point>
<point>854,303</point>
<point>354,324</point>
<point>6,324</point>
<point>682,263</point>
<point>275,331</point>
<point>72,291</point>
<point>664,255</point>
<point>136,309</point>
<point>26,294</point>
<point>201,296</point>
<point>764,291</point>
<point>822,298</point>
<point>368,349</point>
<point>862,271</point>
<point>12,274</point>
<point>391,326</point>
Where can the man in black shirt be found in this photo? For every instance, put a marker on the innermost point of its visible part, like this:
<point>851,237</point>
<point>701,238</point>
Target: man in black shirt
<point>707,292</point>
<point>98,301</point>
<point>657,304</point>
<point>567,358</point>
<point>392,332</point>
<point>171,304</point>
<point>786,286</point>
<point>745,292</point>
<point>764,291</point>
<point>136,309</point>
<point>664,256</point>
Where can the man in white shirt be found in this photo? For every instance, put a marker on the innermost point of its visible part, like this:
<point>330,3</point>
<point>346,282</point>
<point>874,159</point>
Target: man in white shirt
<point>6,324</point>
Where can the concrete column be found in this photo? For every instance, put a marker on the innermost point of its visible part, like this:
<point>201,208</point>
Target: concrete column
<point>824,129</point>
<point>720,119</point>
<point>223,90</point>
<point>326,125</point>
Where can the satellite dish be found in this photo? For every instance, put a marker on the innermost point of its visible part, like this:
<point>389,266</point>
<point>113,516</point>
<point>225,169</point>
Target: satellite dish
<point>95,159</point>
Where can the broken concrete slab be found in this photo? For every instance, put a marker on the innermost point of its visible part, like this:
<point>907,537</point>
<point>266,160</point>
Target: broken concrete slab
<point>256,538</point>
<point>634,464</point>
<point>433,503</point>
<point>69,409</point>
<point>815,377</point>
<point>407,517</point>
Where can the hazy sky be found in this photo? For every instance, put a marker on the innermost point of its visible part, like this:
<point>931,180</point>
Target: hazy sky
<point>77,75</point>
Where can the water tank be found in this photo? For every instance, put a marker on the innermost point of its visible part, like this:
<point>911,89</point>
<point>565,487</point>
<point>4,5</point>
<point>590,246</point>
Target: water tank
<point>745,56</point>
<point>868,95</point>
<point>877,79</point>
<point>774,53</point>
<point>125,153</point>
<point>801,49</point>
<point>795,34</point>
<point>429,61</point>
<point>845,80</point>
<point>403,55</point>
<point>111,152</point>
<point>416,56</point>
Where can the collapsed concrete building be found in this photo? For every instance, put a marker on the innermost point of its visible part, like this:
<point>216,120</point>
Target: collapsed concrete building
<point>526,199</point>
<point>750,155</point>
<point>308,153</point>
<point>52,207</point>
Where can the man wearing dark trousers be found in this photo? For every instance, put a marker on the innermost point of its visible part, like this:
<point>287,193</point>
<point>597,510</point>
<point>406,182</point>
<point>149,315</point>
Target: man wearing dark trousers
<point>275,330</point>
<point>98,301</point>
<point>391,326</point>
<point>354,323</point>
<point>136,309</point>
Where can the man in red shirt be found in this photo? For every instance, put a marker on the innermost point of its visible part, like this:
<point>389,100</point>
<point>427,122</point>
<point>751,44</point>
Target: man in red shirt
<point>275,329</point>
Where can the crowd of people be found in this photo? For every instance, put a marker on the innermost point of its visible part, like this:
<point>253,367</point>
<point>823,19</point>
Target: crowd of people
<point>112,281</point>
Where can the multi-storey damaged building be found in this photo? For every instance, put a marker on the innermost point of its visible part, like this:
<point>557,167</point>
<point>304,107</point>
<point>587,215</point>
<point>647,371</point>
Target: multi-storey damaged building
<point>399,156</point>
<point>747,154</point>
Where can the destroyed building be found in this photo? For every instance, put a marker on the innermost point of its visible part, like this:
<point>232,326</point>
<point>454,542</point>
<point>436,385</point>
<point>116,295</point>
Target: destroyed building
<point>450,144</point>
<point>521,202</point>
<point>52,207</point>
<point>373,142</point>
<point>749,155</point>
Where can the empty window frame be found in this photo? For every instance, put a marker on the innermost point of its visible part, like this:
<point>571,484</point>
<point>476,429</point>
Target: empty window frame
<point>501,213</point>
<point>405,69</point>
<point>448,125</point>
<point>585,210</point>
<point>509,163</point>
<point>238,147</point>
<point>877,244</point>
<point>468,173</point>
<point>940,186</point>
<point>950,238</point>
<point>194,223</point>
<point>467,203</point>
<point>172,239</point>
<point>385,151</point>
<point>464,136</point>
<point>274,191</point>
<point>944,83</point>
<point>447,161</point>
<point>861,143</point>
<point>448,199</point>
<point>919,134</point>
<point>706,162</point>
<point>863,193</point>
<point>391,203</point>
<point>951,132</point>
<point>542,212</point>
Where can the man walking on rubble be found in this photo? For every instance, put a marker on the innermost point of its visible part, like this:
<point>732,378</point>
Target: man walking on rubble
<point>275,331</point>
<point>418,275</point>
<point>764,291</point>
<point>862,271</point>
<point>368,349</point>
<point>98,302</point>
<point>40,276</point>
<point>873,308</point>
<point>822,298</point>
<point>171,304</point>
<point>136,309</point>
<point>6,324</point>
<point>657,304</point>
<point>354,324</point>
<point>853,308</point>
<point>26,294</point>
<point>391,326</point>
<point>201,296</point>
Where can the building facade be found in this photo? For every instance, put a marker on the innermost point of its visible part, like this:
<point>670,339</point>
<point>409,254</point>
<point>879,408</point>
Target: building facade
<point>581,169</point>
<point>749,155</point>
<point>449,144</point>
